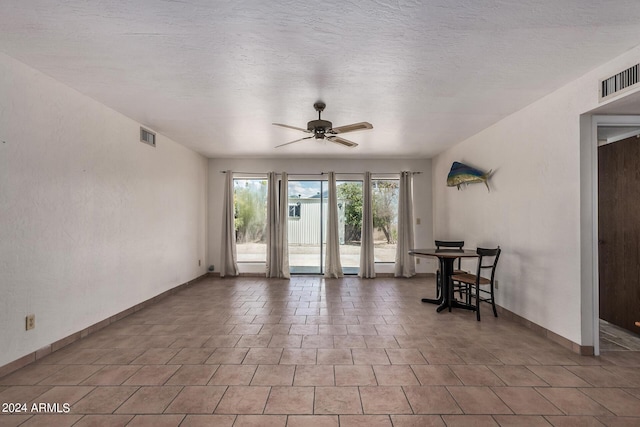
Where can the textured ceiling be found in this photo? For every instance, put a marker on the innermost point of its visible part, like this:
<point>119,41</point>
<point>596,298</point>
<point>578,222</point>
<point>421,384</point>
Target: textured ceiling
<point>214,74</point>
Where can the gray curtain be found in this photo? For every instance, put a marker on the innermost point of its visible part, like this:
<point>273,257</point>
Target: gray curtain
<point>405,266</point>
<point>228,256</point>
<point>283,232</point>
<point>332,266</point>
<point>367,260</point>
<point>277,227</point>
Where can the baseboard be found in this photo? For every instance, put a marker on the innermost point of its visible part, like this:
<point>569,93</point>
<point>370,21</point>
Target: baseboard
<point>583,350</point>
<point>216,274</point>
<point>57,345</point>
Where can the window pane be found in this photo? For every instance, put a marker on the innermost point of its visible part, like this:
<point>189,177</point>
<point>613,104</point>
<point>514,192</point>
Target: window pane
<point>250,202</point>
<point>385,218</point>
<point>350,224</point>
<point>294,210</point>
<point>306,222</point>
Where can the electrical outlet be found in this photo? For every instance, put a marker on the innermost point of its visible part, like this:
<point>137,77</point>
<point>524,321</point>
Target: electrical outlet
<point>199,263</point>
<point>417,260</point>
<point>30,321</point>
<point>495,283</point>
<point>418,221</point>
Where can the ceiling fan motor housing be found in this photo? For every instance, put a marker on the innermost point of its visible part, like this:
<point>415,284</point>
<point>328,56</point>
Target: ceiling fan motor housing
<point>319,127</point>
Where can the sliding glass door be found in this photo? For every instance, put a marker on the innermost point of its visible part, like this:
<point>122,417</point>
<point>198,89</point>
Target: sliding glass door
<point>307,222</point>
<point>307,226</point>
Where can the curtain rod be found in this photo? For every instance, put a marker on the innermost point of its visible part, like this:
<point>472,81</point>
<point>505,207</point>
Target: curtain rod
<point>372,173</point>
<point>265,173</point>
<point>321,173</point>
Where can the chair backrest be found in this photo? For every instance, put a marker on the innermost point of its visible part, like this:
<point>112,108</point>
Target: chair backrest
<point>449,244</point>
<point>484,264</point>
<point>456,244</point>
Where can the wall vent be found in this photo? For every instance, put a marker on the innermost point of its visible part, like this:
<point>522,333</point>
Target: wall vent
<point>618,83</point>
<point>147,137</point>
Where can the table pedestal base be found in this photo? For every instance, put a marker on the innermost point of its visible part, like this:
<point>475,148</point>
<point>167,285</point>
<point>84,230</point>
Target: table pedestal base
<point>446,267</point>
<point>442,304</point>
<point>444,298</point>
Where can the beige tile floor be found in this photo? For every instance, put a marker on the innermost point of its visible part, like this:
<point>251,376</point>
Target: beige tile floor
<point>315,352</point>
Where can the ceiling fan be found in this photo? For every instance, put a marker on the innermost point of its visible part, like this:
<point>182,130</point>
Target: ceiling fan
<point>323,129</point>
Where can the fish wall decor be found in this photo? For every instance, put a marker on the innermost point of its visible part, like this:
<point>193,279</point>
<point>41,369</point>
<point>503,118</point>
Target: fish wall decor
<point>463,174</point>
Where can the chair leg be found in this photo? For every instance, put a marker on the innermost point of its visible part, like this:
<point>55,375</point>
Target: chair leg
<point>438,284</point>
<point>450,293</point>
<point>478,302</point>
<point>493,302</point>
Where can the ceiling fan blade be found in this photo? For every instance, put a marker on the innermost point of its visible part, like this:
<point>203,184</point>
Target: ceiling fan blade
<point>352,127</point>
<point>291,127</point>
<point>297,140</point>
<point>342,141</point>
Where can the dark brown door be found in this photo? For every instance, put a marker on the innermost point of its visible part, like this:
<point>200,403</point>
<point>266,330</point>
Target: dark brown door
<point>619,232</point>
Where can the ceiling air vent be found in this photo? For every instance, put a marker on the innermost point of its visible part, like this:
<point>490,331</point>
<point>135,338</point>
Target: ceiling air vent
<point>147,137</point>
<point>616,84</point>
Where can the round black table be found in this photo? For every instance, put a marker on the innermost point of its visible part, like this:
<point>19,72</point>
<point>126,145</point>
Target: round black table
<point>446,258</point>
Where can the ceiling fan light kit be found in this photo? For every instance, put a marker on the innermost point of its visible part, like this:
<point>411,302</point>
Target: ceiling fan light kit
<point>323,129</point>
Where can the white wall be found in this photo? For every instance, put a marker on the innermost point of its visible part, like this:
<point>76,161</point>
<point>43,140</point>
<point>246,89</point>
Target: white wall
<point>92,221</point>
<point>535,208</point>
<point>421,187</point>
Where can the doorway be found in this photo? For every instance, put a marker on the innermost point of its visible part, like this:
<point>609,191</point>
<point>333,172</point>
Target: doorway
<point>307,225</point>
<point>619,236</point>
<point>614,115</point>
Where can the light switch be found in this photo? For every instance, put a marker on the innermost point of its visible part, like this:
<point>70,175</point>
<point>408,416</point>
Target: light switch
<point>417,221</point>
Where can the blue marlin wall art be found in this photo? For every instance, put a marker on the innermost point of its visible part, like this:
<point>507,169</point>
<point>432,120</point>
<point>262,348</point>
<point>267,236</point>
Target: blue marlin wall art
<point>461,174</point>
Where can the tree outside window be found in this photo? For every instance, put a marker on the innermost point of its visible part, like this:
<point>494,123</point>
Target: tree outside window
<point>385,208</point>
<point>250,205</point>
<point>385,193</point>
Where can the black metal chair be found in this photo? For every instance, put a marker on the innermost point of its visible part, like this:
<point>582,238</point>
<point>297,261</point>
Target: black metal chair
<point>470,284</point>
<point>448,244</point>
